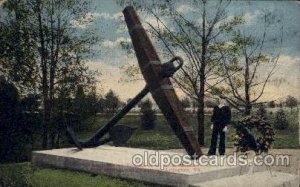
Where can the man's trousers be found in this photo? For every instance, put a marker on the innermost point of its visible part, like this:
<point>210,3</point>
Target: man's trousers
<point>214,139</point>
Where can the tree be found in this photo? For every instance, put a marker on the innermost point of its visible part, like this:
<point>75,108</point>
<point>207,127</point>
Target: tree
<point>9,118</point>
<point>194,105</point>
<point>17,124</point>
<point>247,65</point>
<point>272,104</point>
<point>261,111</point>
<point>148,115</point>
<point>281,122</point>
<point>210,104</point>
<point>194,39</point>
<point>53,45</point>
<point>291,102</point>
<point>185,102</point>
<point>83,106</point>
<point>16,46</point>
<point>112,102</point>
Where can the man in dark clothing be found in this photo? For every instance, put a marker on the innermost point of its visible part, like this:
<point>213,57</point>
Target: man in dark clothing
<point>220,119</point>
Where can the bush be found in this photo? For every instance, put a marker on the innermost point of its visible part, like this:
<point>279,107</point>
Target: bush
<point>148,117</point>
<point>291,102</point>
<point>210,104</point>
<point>261,111</point>
<point>17,125</point>
<point>281,121</point>
<point>16,175</point>
<point>272,104</point>
<point>111,102</point>
<point>185,103</point>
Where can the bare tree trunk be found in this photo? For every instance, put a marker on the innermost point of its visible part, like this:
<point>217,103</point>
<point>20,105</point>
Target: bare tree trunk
<point>45,120</point>
<point>248,105</point>
<point>52,75</point>
<point>200,120</point>
<point>248,108</point>
<point>200,113</point>
<point>57,142</point>
<point>44,77</point>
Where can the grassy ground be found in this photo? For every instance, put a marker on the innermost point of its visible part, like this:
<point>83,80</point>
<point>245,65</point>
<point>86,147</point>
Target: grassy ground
<point>162,137</point>
<point>24,174</point>
<point>288,138</point>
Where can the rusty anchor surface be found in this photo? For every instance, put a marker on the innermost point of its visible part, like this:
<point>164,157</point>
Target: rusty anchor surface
<point>160,87</point>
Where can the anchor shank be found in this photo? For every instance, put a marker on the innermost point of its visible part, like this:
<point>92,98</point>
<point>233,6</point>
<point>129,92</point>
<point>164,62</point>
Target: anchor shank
<point>157,78</point>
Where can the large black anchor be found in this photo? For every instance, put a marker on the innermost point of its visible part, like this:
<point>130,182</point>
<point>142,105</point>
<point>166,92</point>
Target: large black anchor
<point>120,134</point>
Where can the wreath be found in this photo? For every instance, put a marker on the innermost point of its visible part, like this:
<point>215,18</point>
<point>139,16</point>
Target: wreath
<point>245,130</point>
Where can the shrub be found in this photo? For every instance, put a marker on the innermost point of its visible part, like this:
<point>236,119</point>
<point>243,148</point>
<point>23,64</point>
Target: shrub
<point>261,111</point>
<point>148,117</point>
<point>281,121</point>
<point>17,124</point>
<point>185,103</point>
<point>16,175</point>
<point>272,104</point>
<point>291,102</point>
<point>210,104</point>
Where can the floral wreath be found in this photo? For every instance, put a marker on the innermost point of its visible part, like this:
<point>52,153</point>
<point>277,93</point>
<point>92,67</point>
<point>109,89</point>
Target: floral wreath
<point>262,126</point>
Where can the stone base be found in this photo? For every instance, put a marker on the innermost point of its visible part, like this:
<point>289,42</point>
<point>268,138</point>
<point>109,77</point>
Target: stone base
<point>118,162</point>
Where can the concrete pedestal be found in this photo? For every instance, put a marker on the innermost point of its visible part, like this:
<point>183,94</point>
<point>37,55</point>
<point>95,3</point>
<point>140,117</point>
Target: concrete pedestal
<point>124,163</point>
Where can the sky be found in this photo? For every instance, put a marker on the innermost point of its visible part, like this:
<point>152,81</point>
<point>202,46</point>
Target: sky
<point>112,29</point>
<point>110,26</point>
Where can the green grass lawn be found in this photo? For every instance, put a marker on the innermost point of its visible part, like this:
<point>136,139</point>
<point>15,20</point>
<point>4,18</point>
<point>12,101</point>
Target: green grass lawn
<point>162,137</point>
<point>288,138</point>
<point>24,174</point>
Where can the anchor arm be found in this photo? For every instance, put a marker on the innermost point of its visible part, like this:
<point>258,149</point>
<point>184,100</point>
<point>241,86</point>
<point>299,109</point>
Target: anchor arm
<point>168,69</point>
<point>101,132</point>
<point>94,140</point>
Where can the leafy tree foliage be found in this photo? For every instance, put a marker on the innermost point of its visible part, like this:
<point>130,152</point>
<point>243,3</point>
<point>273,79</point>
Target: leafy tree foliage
<point>185,102</point>
<point>247,64</point>
<point>16,175</point>
<point>210,103</point>
<point>272,104</point>
<point>111,102</point>
<point>148,117</point>
<point>42,50</point>
<point>17,124</point>
<point>281,121</point>
<point>261,111</point>
<point>291,102</point>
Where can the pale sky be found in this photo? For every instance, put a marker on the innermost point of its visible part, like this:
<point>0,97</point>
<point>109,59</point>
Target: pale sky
<point>110,26</point>
<point>112,29</point>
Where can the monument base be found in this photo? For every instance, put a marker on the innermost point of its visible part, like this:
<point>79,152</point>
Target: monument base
<point>147,165</point>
